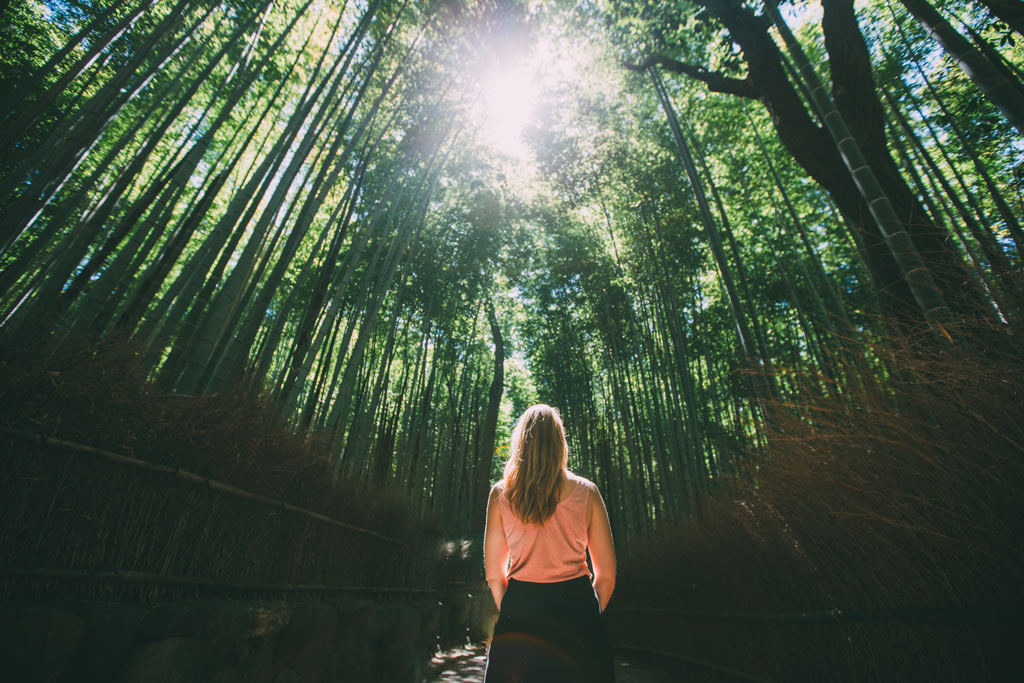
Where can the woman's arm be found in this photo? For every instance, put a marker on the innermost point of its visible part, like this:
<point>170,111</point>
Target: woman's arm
<point>602,550</point>
<point>495,548</point>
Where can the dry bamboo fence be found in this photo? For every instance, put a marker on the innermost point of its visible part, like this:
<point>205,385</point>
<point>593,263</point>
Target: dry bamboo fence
<point>169,530</point>
<point>102,479</point>
<point>192,477</point>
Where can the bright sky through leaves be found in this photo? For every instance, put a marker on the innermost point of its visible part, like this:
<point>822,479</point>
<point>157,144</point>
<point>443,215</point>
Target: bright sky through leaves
<point>526,70</point>
<point>510,95</point>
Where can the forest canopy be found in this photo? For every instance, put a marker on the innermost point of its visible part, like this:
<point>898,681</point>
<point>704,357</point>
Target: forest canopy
<point>400,223</point>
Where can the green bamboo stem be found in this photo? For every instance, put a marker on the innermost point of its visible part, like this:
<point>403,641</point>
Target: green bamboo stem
<point>922,285</point>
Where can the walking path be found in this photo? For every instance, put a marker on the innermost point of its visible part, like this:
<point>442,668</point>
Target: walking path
<point>466,665</point>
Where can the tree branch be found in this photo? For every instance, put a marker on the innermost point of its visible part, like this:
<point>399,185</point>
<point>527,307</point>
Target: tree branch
<point>717,82</point>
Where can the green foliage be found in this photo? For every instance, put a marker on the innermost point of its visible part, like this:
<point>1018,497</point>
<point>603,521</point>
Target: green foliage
<point>307,201</point>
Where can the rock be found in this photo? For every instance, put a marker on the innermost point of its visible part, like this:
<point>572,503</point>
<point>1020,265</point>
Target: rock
<point>405,628</point>
<point>221,641</point>
<point>461,604</point>
<point>268,619</point>
<point>400,662</point>
<point>304,646</point>
<point>454,620</point>
<point>107,639</point>
<point>380,620</point>
<point>219,623</point>
<point>482,617</point>
<point>430,616</point>
<point>171,660</point>
<point>251,662</point>
<point>430,626</point>
<point>166,620</point>
<point>288,676</point>
<point>355,661</point>
<point>37,643</point>
<point>396,655</point>
<point>354,617</point>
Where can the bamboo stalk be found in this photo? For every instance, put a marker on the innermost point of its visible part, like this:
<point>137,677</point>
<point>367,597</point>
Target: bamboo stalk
<point>198,581</point>
<point>919,278</point>
<point>194,478</point>
<point>926,614</point>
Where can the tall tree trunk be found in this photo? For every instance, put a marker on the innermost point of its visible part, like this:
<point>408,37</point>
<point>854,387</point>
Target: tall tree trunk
<point>922,284</point>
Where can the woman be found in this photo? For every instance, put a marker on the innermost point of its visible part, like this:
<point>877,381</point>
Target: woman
<point>541,521</point>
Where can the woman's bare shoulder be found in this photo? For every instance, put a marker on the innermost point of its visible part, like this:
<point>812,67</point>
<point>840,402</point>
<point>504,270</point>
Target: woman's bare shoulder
<point>581,481</point>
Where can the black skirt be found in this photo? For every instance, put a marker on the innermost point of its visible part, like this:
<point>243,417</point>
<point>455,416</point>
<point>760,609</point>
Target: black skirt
<point>550,632</point>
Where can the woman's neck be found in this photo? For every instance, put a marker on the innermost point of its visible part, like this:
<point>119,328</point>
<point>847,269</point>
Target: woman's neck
<point>564,485</point>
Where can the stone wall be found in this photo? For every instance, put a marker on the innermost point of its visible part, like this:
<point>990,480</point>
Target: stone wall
<point>237,641</point>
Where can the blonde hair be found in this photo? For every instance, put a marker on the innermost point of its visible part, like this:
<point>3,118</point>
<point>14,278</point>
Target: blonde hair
<point>537,457</point>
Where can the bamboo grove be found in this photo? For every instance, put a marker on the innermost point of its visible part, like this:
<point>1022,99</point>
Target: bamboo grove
<point>296,197</point>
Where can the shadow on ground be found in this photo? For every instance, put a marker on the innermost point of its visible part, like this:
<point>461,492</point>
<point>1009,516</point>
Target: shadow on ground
<point>466,665</point>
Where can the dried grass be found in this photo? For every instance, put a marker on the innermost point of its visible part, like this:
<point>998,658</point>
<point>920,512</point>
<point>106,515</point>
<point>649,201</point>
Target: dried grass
<point>893,496</point>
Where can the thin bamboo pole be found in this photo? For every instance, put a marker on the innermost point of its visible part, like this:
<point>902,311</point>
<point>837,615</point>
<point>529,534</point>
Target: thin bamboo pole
<point>130,576</point>
<point>192,477</point>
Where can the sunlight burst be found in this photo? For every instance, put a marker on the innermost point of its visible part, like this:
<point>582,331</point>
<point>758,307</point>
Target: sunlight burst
<point>509,99</point>
<point>517,88</point>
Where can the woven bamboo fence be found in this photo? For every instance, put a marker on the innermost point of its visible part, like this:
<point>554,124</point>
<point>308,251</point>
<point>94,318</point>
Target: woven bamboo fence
<point>110,490</point>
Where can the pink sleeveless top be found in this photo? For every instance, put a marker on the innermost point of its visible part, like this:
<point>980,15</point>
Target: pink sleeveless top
<point>555,551</point>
